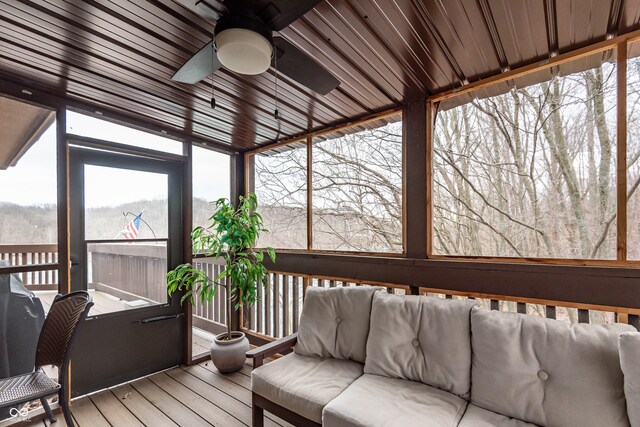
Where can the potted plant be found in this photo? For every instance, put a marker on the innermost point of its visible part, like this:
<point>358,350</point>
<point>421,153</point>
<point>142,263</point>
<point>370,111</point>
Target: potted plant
<point>232,235</point>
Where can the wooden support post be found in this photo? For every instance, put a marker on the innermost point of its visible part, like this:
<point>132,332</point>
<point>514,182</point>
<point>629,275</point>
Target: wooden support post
<point>187,251</point>
<point>309,192</point>
<point>415,179</point>
<point>621,149</point>
<point>62,159</point>
<point>238,174</point>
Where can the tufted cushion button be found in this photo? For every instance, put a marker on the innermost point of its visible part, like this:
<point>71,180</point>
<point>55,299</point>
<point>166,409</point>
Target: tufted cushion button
<point>338,319</point>
<point>415,343</point>
<point>543,375</point>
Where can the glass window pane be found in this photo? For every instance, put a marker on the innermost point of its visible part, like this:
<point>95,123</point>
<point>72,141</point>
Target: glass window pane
<point>125,204</point>
<point>280,182</point>
<point>527,168</point>
<point>357,191</point>
<point>83,125</point>
<point>122,276</point>
<point>211,181</point>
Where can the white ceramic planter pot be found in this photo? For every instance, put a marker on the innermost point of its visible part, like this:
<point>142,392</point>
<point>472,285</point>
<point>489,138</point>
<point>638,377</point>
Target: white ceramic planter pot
<point>229,355</point>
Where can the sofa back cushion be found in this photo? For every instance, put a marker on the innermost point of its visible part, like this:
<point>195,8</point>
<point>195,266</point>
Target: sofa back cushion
<point>335,322</point>
<point>421,339</point>
<point>547,372</point>
<point>630,362</point>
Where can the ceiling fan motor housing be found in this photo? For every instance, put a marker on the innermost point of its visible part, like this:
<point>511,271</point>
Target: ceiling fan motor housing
<point>243,43</point>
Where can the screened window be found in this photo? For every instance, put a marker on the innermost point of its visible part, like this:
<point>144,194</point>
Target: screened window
<point>28,217</point>
<point>357,191</point>
<point>527,168</point>
<point>280,182</point>
<point>211,181</point>
<point>633,151</point>
<point>92,127</point>
<point>28,204</point>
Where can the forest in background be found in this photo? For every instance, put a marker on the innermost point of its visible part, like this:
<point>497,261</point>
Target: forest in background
<point>37,224</point>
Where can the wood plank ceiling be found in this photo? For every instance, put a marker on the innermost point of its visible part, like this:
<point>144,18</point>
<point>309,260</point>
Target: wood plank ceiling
<point>119,56</point>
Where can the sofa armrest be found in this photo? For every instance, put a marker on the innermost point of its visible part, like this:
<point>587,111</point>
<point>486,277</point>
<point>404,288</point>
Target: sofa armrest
<point>259,353</point>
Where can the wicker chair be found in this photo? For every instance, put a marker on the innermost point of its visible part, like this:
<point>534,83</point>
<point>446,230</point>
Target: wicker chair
<point>54,348</point>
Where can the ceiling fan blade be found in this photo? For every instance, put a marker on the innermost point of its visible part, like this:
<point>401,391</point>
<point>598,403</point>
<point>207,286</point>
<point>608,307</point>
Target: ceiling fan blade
<point>279,14</point>
<point>210,10</point>
<point>199,66</point>
<point>297,65</point>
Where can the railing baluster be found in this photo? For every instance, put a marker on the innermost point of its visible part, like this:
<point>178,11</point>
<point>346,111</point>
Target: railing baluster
<point>296,302</point>
<point>259,306</point>
<point>276,306</point>
<point>285,305</point>
<point>267,305</point>
<point>305,285</point>
<point>221,304</point>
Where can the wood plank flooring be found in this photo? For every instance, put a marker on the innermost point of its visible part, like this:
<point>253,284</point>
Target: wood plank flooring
<point>193,396</point>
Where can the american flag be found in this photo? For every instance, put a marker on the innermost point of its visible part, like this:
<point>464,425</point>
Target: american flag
<point>130,231</point>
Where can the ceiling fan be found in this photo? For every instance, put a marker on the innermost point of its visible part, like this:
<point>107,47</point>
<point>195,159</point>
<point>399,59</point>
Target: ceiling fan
<point>243,42</point>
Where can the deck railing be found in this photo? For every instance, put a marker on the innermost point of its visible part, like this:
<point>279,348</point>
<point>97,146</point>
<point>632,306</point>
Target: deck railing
<point>278,310</point>
<point>210,316</point>
<point>33,254</point>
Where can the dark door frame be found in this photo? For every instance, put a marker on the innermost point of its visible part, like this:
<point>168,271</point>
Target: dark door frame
<point>118,347</point>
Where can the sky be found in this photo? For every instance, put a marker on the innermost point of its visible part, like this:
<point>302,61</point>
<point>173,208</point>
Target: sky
<point>33,180</point>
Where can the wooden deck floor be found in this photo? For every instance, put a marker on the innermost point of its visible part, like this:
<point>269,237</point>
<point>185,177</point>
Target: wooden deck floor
<point>195,396</point>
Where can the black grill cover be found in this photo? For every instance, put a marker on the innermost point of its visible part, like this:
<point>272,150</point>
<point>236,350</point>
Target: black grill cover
<point>21,318</point>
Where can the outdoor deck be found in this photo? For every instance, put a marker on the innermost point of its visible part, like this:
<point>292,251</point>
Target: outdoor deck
<point>198,395</point>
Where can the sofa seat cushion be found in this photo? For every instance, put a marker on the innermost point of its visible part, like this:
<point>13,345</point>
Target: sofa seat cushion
<point>630,361</point>
<point>304,384</point>
<point>475,416</point>
<point>335,322</point>
<point>375,401</point>
<point>422,339</point>
<point>547,372</point>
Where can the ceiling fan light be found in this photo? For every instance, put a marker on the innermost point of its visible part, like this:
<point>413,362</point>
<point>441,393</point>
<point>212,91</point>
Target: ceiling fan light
<point>243,51</point>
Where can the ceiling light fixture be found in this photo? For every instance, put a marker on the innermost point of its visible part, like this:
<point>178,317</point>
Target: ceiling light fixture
<point>243,44</point>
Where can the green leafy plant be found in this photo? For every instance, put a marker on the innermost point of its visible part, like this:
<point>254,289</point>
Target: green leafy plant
<point>232,235</point>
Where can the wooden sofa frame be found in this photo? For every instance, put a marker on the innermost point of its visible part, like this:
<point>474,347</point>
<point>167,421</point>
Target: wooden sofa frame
<point>260,404</point>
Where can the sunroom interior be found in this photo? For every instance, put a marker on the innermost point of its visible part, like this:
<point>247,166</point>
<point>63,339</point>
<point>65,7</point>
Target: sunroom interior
<point>478,152</point>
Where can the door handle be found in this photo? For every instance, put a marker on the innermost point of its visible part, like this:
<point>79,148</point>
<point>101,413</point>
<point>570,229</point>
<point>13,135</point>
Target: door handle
<point>158,318</point>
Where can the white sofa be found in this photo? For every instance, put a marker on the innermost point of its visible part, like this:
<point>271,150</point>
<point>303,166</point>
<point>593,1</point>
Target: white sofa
<point>363,357</point>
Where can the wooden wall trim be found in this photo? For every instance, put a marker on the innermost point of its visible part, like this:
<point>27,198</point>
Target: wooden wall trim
<point>603,286</point>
